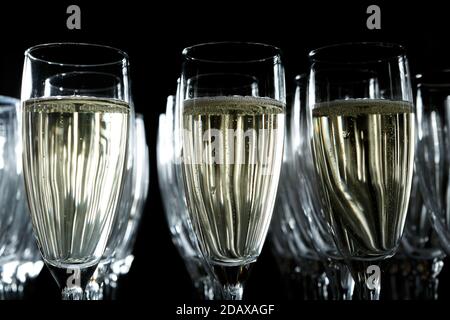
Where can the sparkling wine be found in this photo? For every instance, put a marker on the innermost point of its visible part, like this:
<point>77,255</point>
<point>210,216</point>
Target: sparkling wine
<point>364,151</point>
<point>74,157</point>
<point>232,150</point>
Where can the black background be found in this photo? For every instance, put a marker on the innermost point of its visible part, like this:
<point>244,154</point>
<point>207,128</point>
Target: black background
<point>154,35</point>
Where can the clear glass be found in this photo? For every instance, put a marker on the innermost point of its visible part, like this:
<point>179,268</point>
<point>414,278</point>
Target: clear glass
<point>420,258</point>
<point>14,220</point>
<point>306,199</point>
<point>75,120</point>
<point>432,168</point>
<point>433,107</point>
<point>123,258</point>
<point>420,240</point>
<point>119,228</point>
<point>412,274</point>
<point>175,207</point>
<point>118,257</point>
<point>300,266</point>
<point>10,173</point>
<point>232,98</point>
<point>421,248</point>
<point>363,146</point>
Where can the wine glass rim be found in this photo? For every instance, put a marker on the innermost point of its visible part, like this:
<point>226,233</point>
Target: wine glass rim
<point>434,79</point>
<point>392,51</point>
<point>7,101</point>
<point>276,52</point>
<point>301,76</point>
<point>122,55</point>
<point>139,116</point>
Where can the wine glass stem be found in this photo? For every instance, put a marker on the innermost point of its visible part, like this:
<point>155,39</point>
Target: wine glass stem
<point>233,292</point>
<point>207,288</point>
<point>436,268</point>
<point>367,278</point>
<point>94,290</point>
<point>72,293</point>
<point>426,278</point>
<point>341,281</point>
<point>366,293</point>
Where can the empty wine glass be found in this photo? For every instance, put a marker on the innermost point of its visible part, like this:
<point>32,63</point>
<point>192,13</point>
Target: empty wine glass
<point>23,261</point>
<point>12,219</point>
<point>306,199</point>
<point>95,288</point>
<point>175,206</point>
<point>363,148</point>
<point>123,258</point>
<point>232,102</point>
<point>299,263</point>
<point>30,263</point>
<point>118,258</point>
<point>421,248</point>
<point>74,146</point>
<point>10,170</point>
<point>412,274</point>
<point>432,167</point>
<point>433,152</point>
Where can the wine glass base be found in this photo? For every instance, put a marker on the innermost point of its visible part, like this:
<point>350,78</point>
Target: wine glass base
<point>72,275</point>
<point>232,279</point>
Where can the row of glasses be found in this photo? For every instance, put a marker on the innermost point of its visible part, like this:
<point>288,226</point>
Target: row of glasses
<point>419,261</point>
<point>229,136</point>
<point>360,120</point>
<point>231,127</point>
<point>414,270</point>
<point>362,123</point>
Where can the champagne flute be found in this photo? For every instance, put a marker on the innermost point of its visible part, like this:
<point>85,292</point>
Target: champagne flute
<point>232,98</point>
<point>363,147</point>
<point>74,153</point>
